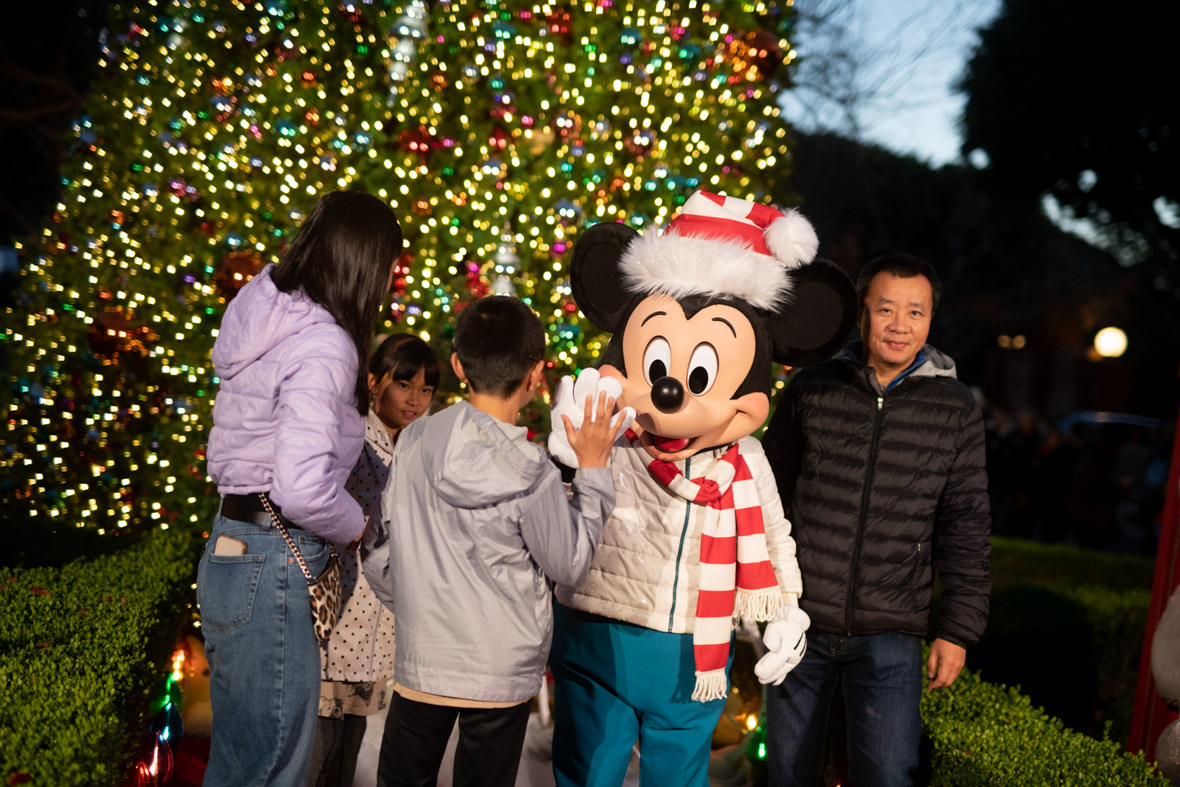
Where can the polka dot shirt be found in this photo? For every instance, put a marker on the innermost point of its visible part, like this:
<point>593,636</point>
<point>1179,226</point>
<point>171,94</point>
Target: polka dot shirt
<point>360,650</point>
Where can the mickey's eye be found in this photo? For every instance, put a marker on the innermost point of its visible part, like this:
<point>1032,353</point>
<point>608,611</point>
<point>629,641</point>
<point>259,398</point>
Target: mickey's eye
<point>702,369</point>
<point>657,358</point>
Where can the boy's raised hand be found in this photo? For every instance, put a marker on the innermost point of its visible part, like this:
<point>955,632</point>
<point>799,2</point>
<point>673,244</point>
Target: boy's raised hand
<point>592,442</point>
<point>572,403</point>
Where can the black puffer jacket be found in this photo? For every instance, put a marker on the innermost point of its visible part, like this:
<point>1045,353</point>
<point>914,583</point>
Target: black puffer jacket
<point>883,487</point>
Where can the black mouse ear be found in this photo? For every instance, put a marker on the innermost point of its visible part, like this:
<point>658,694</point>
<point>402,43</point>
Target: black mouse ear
<point>817,319</point>
<point>596,276</point>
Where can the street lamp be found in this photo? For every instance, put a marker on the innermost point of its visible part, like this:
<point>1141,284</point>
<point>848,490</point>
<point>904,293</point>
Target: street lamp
<point>1110,342</point>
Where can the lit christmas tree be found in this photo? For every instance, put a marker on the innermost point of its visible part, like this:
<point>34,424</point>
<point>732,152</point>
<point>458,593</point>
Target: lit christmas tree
<point>496,130</point>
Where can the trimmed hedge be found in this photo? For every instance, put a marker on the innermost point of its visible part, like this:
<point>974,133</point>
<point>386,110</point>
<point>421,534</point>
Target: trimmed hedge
<point>1066,625</point>
<point>81,648</point>
<point>984,735</point>
<point>1016,561</point>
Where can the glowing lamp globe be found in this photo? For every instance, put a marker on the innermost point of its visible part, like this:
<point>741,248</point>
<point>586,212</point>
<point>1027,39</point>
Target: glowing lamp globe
<point>1110,342</point>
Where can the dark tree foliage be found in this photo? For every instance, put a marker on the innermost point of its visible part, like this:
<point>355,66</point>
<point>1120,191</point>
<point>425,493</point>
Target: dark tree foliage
<point>1006,269</point>
<point>1076,98</point>
<point>47,50</point>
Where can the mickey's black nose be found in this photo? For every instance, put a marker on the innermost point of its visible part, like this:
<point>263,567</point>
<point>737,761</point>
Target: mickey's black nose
<point>667,394</point>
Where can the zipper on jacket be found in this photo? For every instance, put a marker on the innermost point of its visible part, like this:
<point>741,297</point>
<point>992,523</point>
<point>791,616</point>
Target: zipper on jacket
<point>914,578</point>
<point>680,550</point>
<point>864,513</point>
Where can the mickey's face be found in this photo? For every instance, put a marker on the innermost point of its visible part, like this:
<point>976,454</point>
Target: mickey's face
<point>682,376</point>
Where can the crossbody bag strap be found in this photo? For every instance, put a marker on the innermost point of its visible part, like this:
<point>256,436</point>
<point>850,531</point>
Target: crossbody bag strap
<point>287,537</point>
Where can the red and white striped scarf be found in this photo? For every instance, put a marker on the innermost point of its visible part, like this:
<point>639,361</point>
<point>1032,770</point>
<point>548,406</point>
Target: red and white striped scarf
<point>736,575</point>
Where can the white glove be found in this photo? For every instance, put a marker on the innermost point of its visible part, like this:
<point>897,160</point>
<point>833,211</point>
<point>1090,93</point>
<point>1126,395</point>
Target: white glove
<point>786,642</point>
<point>570,399</point>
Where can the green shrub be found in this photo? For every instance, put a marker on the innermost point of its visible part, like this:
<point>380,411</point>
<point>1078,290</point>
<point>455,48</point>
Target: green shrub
<point>1066,625</point>
<point>986,735</point>
<point>1016,561</point>
<point>81,647</point>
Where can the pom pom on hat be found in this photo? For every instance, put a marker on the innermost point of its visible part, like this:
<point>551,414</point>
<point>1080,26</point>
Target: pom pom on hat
<point>724,247</point>
<point>792,239</point>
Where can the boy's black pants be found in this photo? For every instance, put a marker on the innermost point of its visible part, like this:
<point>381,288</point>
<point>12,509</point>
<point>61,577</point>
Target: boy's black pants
<point>416,735</point>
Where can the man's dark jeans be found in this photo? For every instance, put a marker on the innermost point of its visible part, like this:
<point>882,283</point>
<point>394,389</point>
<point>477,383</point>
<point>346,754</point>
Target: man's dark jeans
<point>882,689</point>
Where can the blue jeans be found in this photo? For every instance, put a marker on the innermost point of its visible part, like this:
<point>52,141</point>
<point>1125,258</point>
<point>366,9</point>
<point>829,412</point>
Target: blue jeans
<point>882,676</point>
<point>264,658</point>
<point>616,683</point>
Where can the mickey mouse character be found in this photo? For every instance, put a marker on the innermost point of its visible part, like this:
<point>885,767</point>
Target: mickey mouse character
<point>697,539</point>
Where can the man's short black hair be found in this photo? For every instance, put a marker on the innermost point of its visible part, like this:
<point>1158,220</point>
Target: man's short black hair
<point>498,339</point>
<point>903,266</point>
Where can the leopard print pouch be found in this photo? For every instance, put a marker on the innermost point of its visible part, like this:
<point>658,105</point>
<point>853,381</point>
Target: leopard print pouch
<point>325,598</point>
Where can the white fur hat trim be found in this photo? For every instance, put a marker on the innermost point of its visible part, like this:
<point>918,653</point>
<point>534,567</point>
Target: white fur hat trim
<point>723,247</point>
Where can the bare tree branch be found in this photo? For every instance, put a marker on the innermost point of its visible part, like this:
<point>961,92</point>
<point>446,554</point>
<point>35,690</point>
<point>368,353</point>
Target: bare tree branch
<point>861,62</point>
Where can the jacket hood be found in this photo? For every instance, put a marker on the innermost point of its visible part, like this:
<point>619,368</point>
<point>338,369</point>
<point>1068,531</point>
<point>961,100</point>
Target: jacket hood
<point>258,319</point>
<point>937,363</point>
<point>470,461</point>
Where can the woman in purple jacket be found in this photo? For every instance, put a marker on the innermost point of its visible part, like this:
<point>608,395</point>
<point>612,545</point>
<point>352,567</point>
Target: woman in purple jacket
<point>288,422</point>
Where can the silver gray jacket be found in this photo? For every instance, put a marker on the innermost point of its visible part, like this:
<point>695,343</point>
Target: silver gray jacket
<point>476,528</point>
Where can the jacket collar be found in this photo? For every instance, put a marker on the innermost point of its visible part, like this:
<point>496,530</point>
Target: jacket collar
<point>930,362</point>
<point>378,436</point>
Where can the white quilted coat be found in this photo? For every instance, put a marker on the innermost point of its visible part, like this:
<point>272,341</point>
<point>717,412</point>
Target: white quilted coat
<point>646,569</point>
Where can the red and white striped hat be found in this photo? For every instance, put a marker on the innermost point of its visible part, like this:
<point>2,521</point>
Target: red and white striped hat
<point>724,247</point>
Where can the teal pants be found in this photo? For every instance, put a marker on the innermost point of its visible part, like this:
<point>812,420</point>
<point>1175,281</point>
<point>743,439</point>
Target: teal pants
<point>617,683</point>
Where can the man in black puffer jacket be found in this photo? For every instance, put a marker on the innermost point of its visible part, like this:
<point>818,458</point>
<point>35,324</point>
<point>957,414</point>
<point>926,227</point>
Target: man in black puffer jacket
<point>879,458</point>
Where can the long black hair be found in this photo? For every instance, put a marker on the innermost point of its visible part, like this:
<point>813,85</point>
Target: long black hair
<point>341,259</point>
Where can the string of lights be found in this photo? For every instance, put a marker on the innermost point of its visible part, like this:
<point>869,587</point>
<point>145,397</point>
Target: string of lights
<point>496,130</point>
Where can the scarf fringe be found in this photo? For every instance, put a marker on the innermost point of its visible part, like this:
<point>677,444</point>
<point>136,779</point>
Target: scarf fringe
<point>761,605</point>
<point>710,686</point>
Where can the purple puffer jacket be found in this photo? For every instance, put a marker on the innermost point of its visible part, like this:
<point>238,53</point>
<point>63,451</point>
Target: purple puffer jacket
<point>285,419</point>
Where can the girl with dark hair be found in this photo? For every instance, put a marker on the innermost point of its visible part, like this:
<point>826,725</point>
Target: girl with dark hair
<point>288,427</point>
<point>356,280</point>
<point>358,658</point>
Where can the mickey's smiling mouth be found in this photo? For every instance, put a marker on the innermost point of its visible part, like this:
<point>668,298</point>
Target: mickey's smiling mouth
<point>667,445</point>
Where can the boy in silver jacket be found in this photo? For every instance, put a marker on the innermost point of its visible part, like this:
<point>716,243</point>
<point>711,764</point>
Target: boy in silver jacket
<point>477,526</point>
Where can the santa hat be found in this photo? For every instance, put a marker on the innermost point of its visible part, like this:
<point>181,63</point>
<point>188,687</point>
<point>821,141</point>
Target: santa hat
<point>724,247</point>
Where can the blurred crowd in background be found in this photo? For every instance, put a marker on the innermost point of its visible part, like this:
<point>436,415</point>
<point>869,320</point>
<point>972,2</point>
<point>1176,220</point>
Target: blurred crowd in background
<point>1092,479</point>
